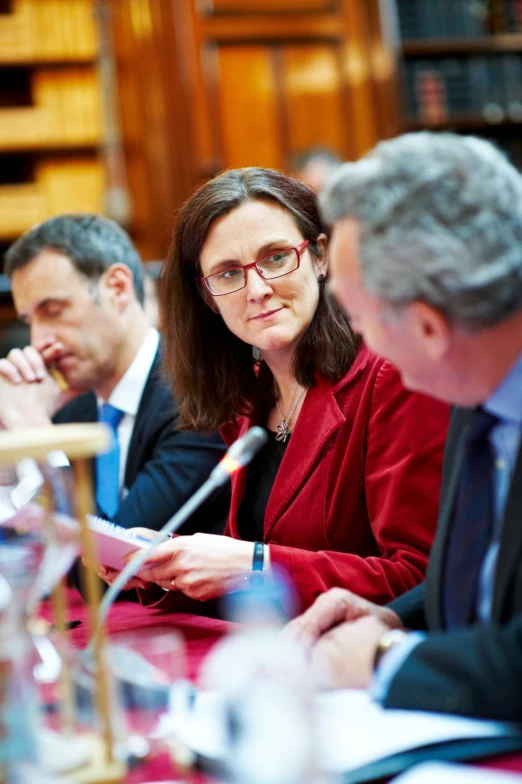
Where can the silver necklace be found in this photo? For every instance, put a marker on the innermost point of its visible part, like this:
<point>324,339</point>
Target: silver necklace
<point>283,429</point>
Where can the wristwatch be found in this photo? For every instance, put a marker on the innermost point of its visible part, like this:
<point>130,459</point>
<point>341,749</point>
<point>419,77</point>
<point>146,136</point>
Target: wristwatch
<point>256,577</point>
<point>388,640</point>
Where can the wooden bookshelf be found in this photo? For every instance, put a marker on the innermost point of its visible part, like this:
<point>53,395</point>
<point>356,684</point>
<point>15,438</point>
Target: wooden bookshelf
<point>51,127</point>
<point>508,42</point>
<point>461,68</point>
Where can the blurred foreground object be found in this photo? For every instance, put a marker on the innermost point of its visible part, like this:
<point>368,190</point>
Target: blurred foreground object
<point>22,559</point>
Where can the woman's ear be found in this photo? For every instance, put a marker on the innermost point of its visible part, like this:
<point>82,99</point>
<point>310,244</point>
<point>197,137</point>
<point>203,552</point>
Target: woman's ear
<point>321,263</point>
<point>209,301</point>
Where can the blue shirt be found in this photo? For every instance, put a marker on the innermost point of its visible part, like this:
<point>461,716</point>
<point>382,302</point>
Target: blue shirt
<point>505,403</point>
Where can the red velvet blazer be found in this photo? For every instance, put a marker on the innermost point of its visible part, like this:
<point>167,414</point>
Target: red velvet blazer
<point>355,500</point>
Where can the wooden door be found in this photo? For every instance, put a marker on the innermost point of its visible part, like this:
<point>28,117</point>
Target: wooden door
<point>212,84</point>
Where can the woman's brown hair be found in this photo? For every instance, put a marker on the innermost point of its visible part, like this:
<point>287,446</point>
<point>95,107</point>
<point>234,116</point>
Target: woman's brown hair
<point>211,370</point>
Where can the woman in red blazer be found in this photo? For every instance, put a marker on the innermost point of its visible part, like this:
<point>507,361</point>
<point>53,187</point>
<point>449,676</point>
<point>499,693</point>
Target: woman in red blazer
<point>345,492</point>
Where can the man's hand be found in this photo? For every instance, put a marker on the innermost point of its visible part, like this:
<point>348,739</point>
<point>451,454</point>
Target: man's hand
<point>343,657</point>
<point>29,395</point>
<point>23,365</point>
<point>335,607</point>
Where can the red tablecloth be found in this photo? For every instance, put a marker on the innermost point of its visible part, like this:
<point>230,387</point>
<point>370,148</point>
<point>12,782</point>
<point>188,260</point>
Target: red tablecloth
<point>200,635</point>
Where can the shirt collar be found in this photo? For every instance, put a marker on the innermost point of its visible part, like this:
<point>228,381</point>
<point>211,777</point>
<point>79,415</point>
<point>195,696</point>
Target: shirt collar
<point>505,402</point>
<point>127,393</point>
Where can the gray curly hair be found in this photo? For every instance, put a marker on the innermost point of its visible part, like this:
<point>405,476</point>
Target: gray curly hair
<point>441,222</point>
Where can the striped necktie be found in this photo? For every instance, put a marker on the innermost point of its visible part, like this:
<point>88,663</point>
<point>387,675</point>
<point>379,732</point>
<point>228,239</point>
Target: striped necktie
<point>108,465</point>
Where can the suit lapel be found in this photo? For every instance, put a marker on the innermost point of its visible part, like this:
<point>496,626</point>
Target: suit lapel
<point>511,540</point>
<point>148,407</point>
<point>454,451</point>
<point>320,417</point>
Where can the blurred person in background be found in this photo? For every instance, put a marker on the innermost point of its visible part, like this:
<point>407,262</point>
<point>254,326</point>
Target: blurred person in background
<point>150,283</point>
<point>77,282</point>
<point>314,167</point>
<point>427,259</point>
<point>345,490</point>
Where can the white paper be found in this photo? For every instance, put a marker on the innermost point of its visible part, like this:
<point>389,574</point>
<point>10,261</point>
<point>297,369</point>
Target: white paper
<point>352,730</point>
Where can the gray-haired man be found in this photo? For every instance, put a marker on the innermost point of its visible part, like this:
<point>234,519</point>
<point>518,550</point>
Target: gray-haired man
<point>427,258</point>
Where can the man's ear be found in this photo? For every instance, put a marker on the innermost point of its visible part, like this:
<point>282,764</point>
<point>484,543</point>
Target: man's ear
<point>431,328</point>
<point>118,282</point>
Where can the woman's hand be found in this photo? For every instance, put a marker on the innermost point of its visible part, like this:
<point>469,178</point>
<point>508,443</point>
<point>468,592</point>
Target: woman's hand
<point>202,566</point>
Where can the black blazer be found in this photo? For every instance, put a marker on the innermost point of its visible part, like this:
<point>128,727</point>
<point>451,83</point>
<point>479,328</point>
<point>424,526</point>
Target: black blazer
<point>164,466</point>
<point>476,671</point>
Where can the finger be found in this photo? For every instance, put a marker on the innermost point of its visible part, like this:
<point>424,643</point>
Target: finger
<point>330,609</point>
<point>10,372</point>
<point>22,363</point>
<point>160,573</point>
<point>35,359</point>
<point>51,352</point>
<point>165,551</point>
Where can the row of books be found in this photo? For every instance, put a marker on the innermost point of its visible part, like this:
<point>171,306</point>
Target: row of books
<point>487,88</point>
<point>70,185</point>
<point>423,19</point>
<point>48,30</point>
<point>65,111</point>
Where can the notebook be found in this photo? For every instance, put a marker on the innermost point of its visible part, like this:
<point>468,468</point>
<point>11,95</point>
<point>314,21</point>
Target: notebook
<point>112,542</point>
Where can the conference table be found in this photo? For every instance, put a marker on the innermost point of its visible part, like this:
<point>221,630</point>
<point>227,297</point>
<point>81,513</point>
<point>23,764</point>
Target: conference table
<point>201,634</point>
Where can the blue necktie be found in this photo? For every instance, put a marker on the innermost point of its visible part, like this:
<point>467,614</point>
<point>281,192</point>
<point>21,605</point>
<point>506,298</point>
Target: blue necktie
<point>472,524</point>
<point>108,465</point>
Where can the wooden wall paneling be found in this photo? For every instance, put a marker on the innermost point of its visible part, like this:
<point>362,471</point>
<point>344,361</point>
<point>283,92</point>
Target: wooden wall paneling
<point>314,99</point>
<point>358,74</point>
<point>224,83</point>
<point>151,119</point>
<point>249,107</point>
<point>384,54</point>
<point>150,42</point>
<point>260,6</point>
<point>131,71</point>
<point>199,66</point>
<point>270,27</point>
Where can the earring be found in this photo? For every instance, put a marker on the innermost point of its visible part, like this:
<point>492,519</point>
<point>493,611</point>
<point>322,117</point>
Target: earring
<point>321,278</point>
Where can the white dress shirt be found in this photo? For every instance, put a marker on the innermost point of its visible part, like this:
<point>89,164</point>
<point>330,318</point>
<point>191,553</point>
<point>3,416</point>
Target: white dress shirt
<point>127,394</point>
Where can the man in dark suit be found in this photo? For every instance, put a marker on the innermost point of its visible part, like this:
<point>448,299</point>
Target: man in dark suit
<point>427,259</point>
<point>78,282</point>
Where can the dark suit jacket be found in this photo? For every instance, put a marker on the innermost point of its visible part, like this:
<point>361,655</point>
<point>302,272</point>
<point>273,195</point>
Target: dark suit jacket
<point>476,671</point>
<point>164,466</point>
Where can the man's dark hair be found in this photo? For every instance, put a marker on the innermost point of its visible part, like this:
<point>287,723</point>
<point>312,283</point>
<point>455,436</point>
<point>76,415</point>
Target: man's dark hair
<point>91,242</point>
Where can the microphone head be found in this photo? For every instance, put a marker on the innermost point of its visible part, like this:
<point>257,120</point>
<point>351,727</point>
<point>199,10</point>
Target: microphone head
<point>244,449</point>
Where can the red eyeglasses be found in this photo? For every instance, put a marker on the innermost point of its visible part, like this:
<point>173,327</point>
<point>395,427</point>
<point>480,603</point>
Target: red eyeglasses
<point>279,263</point>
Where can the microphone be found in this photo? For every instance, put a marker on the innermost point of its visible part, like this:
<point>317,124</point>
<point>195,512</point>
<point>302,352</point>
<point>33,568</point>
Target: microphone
<point>239,454</point>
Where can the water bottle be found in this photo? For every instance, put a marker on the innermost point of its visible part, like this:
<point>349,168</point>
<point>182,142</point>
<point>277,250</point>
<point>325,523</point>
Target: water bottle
<point>267,694</point>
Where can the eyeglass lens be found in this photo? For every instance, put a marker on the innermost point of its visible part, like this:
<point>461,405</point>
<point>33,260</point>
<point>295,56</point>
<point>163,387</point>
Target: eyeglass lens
<point>280,263</point>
